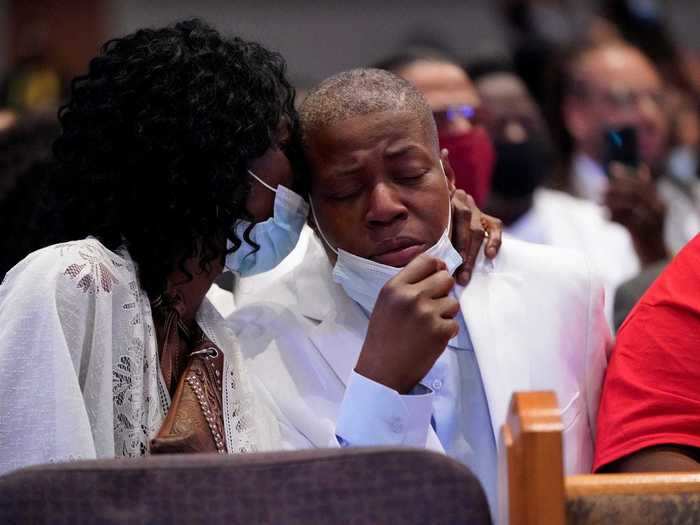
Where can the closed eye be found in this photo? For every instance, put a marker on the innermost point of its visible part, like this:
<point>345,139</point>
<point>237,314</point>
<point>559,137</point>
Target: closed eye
<point>343,195</point>
<point>409,178</point>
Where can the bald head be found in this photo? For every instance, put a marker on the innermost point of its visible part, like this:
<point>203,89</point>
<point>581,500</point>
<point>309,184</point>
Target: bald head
<point>615,85</point>
<point>362,92</point>
<point>442,82</point>
<point>611,64</point>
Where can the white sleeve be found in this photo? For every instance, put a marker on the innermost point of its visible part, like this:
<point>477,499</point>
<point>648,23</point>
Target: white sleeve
<point>43,417</point>
<point>372,414</point>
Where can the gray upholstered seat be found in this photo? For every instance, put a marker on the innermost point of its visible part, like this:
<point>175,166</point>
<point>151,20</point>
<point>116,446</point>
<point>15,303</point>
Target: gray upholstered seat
<point>378,486</point>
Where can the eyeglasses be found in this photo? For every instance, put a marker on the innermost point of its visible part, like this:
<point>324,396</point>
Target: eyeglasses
<point>455,113</point>
<point>627,99</point>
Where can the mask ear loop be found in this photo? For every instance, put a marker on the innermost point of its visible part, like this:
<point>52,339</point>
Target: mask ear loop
<point>318,227</point>
<point>449,202</point>
<point>262,182</point>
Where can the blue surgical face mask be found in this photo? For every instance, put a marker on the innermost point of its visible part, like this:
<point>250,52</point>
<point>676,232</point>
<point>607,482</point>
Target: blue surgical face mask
<point>362,279</point>
<point>276,236</point>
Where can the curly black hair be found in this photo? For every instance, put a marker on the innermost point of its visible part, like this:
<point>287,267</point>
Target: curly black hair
<point>156,139</point>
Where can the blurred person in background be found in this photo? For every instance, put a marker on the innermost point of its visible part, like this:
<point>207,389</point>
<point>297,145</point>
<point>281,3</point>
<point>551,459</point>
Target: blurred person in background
<point>539,32</point>
<point>644,25</point>
<point>524,164</point>
<point>610,86</point>
<point>33,83</point>
<point>25,153</point>
<point>456,109</point>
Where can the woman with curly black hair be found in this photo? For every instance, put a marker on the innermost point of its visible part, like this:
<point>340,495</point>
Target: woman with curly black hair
<point>168,147</point>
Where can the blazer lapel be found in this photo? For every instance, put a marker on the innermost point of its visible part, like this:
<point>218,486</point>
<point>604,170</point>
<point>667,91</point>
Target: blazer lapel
<point>342,325</point>
<point>490,307</point>
<point>339,339</point>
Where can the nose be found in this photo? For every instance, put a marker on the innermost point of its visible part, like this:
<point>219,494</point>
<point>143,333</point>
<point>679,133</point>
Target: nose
<point>384,207</point>
<point>650,112</point>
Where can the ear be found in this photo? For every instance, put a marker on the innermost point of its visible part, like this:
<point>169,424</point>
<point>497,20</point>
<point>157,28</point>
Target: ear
<point>449,172</point>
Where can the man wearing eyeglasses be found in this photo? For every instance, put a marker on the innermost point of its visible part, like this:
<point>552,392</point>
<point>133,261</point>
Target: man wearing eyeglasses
<point>611,87</point>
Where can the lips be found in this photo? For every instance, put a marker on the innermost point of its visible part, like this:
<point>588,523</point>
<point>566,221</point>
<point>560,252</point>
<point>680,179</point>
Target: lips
<point>398,252</point>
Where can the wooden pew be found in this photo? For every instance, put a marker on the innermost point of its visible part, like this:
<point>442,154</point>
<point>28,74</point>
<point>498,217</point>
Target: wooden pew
<point>534,490</point>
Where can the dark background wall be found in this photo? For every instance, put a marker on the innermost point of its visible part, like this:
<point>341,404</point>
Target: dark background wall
<point>321,37</point>
<point>317,37</point>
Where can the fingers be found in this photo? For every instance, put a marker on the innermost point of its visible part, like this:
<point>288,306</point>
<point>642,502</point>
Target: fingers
<point>461,237</point>
<point>447,307</point>
<point>449,328</point>
<point>615,199</point>
<point>494,227</point>
<point>644,174</point>
<point>468,234</point>
<point>621,172</point>
<point>633,192</point>
<point>436,286</point>
<point>418,269</point>
<point>618,171</point>
<point>477,234</point>
<point>441,314</point>
<point>630,185</point>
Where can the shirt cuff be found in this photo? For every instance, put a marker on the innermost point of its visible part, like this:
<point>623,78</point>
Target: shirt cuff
<point>372,414</point>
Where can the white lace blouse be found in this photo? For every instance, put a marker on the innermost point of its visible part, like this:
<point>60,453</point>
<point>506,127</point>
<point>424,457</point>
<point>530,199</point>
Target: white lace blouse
<point>79,368</point>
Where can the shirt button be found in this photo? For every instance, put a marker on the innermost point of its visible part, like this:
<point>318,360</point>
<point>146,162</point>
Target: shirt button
<point>437,384</point>
<point>396,425</point>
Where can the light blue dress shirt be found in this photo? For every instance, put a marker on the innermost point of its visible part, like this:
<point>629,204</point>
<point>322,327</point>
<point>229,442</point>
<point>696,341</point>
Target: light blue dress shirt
<point>453,400</point>
<point>461,412</point>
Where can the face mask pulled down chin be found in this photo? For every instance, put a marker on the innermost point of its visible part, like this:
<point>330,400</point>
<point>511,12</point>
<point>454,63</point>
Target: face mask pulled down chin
<point>471,157</point>
<point>520,168</point>
<point>276,237</point>
<point>362,279</point>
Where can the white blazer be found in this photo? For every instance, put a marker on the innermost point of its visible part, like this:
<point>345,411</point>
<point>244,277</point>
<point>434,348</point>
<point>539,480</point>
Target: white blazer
<point>563,221</point>
<point>535,317</point>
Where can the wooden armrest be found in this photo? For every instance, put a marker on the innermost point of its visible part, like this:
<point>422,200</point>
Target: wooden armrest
<point>531,471</point>
<point>631,484</point>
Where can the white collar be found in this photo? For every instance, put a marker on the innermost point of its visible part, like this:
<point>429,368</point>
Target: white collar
<point>589,179</point>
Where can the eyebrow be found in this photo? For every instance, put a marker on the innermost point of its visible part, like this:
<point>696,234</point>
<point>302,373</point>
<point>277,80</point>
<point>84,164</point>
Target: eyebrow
<point>400,150</point>
<point>348,171</point>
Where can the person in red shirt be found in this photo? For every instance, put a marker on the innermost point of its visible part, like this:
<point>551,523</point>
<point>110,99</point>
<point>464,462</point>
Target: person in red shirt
<point>649,417</point>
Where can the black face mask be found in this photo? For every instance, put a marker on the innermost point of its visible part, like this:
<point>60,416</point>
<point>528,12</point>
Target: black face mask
<point>520,168</point>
